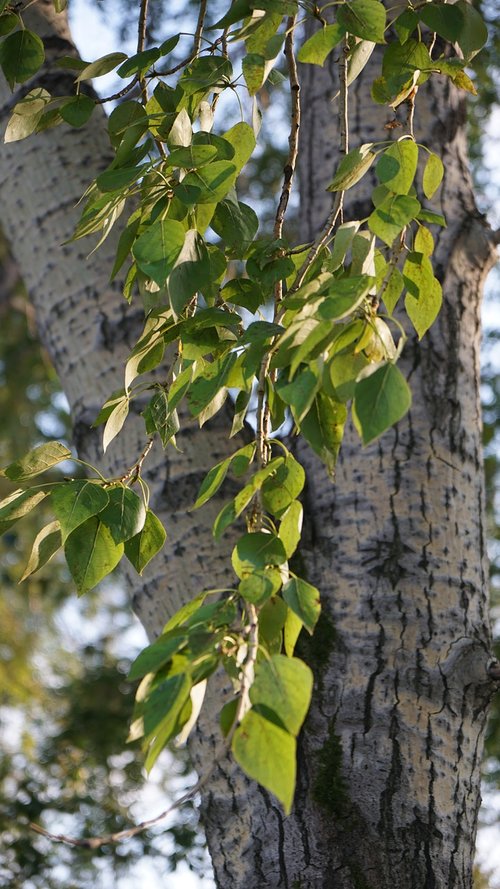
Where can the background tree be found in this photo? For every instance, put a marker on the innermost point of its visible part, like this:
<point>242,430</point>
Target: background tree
<point>390,753</point>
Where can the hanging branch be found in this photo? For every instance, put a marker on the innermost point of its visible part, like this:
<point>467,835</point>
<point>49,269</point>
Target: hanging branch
<point>263,419</point>
<point>338,203</point>
<point>141,41</point>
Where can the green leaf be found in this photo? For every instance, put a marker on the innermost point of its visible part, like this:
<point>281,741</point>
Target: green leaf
<point>232,510</point>
<point>190,272</point>
<point>431,217</point>
<point>142,547</point>
<point>46,544</point>
<point>424,298</point>
<point>37,461</point>
<point>241,137</point>
<point>17,505</point>
<point>344,369</point>
<point>162,712</point>
<point>291,527</point>
<point>393,215</point>
<point>397,166</point>
<point>115,421</point>
<point>157,248</point>
<point>267,754</point>
<point>224,149</point>
<point>120,178</point>
<point>255,69</point>
<point>424,242</point>
<point>257,550</point>
<point>447,20</point>
<point>283,486</point>
<point>139,62</point>
<point>125,514</point>
<point>393,290</point>
<point>165,420</point>
<point>214,478</point>
<point>353,167</point>
<point>238,10</point>
<point>380,400</point>
<point>364,18</point>
<point>26,115</point>
<point>323,428</point>
<point>316,49</point>
<point>21,55</point>
<point>190,156</point>
<point>405,24</point>
<point>344,296</point>
<point>260,585</point>
<point>77,110</point>
<point>474,32</point>
<point>301,392</point>
<point>76,501</point>
<point>102,66</point>
<point>272,618</point>
<point>236,223</point>
<point>291,632</point>
<point>8,22</point>
<point>400,63</point>
<point>155,656</point>
<point>283,686</point>
<point>205,388</point>
<point>304,600</point>
<point>91,554</point>
<point>127,123</point>
<point>433,175</point>
<point>208,185</point>
<point>342,243</point>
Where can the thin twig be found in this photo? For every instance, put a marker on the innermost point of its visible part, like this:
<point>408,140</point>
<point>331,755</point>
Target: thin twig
<point>120,93</point>
<point>141,41</point>
<point>338,202</point>
<point>263,412</point>
<point>247,671</point>
<point>196,44</point>
<point>263,422</point>
<point>293,138</point>
<point>199,27</point>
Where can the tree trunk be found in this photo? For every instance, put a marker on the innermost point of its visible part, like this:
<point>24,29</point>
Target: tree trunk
<point>388,786</point>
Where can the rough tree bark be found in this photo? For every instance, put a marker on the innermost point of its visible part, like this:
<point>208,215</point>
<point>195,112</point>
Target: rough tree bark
<point>388,787</point>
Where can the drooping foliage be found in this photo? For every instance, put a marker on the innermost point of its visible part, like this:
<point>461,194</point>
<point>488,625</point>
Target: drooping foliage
<point>329,320</point>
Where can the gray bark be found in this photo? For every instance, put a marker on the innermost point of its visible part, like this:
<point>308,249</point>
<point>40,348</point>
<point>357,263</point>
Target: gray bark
<point>388,787</point>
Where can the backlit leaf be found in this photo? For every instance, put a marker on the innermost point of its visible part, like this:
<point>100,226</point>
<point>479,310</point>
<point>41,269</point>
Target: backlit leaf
<point>303,599</point>
<point>283,685</point>
<point>364,18</point>
<point>76,501</point>
<point>380,400</point>
<point>316,49</point>
<point>19,504</point>
<point>21,55</point>
<point>125,514</point>
<point>142,547</point>
<point>267,754</point>
<point>37,461</point>
<point>433,175</point>
<point>91,554</point>
<point>47,542</point>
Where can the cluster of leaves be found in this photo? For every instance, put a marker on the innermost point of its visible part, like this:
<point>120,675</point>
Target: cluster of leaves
<point>323,339</point>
